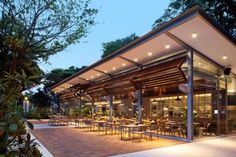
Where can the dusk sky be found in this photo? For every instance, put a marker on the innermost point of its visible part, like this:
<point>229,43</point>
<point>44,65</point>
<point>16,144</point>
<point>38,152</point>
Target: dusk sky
<point>116,19</point>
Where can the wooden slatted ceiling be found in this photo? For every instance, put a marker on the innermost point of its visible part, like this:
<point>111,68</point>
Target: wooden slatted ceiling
<point>163,74</point>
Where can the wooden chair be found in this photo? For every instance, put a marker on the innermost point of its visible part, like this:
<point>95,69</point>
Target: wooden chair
<point>121,123</point>
<point>151,131</point>
<point>211,128</point>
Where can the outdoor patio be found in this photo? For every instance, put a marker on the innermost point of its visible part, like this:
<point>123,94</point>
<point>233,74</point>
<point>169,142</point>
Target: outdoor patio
<point>70,142</point>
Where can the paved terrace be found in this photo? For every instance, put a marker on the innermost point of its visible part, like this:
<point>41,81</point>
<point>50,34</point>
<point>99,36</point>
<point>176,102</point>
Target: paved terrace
<point>71,142</point>
<point>219,147</point>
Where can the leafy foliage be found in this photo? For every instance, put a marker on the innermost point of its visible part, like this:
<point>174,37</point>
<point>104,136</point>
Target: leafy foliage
<point>24,146</point>
<point>110,47</point>
<point>41,99</point>
<point>32,30</point>
<point>40,28</point>
<point>223,12</point>
<point>11,125</point>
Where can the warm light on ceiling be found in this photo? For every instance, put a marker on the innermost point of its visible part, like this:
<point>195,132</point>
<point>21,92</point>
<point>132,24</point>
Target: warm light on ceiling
<point>114,68</point>
<point>98,74</point>
<point>149,54</point>
<point>135,59</point>
<point>123,64</point>
<point>87,79</point>
<point>194,35</point>
<point>92,76</point>
<point>167,46</point>
<point>199,63</point>
<point>105,71</point>
<point>224,57</point>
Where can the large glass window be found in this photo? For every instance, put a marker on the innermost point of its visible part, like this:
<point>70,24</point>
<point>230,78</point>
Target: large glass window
<point>231,106</point>
<point>209,98</point>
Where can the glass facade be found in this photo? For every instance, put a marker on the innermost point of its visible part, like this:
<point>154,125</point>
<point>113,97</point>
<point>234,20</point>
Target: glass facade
<point>209,94</point>
<point>231,99</point>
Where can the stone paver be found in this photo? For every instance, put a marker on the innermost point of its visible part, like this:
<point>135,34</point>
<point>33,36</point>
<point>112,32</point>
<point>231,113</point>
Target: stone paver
<point>219,147</point>
<point>70,142</point>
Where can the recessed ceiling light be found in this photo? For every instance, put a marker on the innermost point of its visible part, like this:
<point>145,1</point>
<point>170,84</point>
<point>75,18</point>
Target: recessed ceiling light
<point>114,68</point>
<point>224,57</point>
<point>149,54</point>
<point>123,64</point>
<point>199,63</point>
<point>105,71</point>
<point>98,74</point>
<point>87,79</point>
<point>135,59</point>
<point>92,76</point>
<point>167,46</point>
<point>194,35</point>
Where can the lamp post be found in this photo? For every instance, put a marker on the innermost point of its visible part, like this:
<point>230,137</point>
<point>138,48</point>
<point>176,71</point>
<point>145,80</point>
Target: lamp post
<point>26,104</point>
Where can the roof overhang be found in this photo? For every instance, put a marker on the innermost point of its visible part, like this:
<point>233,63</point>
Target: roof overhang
<point>172,37</point>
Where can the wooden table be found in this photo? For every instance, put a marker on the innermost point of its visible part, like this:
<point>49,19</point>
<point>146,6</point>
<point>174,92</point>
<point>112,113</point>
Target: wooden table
<point>59,120</point>
<point>113,126</point>
<point>99,123</point>
<point>132,127</point>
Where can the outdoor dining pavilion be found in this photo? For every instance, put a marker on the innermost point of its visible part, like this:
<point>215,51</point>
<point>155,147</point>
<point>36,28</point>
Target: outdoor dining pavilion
<point>180,75</point>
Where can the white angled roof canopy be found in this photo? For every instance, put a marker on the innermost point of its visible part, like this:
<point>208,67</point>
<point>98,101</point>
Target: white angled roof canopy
<point>192,29</point>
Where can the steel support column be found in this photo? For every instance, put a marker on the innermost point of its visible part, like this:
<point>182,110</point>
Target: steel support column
<point>226,106</point>
<point>80,98</point>
<point>190,96</point>
<point>111,106</point>
<point>139,103</point>
<point>92,109</point>
<point>218,103</point>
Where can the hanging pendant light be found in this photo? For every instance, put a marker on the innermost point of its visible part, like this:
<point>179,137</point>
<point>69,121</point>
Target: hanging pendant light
<point>177,99</point>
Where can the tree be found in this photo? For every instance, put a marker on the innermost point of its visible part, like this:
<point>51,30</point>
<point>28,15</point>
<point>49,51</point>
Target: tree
<point>57,75</point>
<point>41,99</point>
<point>32,30</point>
<point>110,47</point>
<point>223,12</point>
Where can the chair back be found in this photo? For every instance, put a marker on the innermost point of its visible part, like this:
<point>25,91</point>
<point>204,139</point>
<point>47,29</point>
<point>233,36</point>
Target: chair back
<point>153,126</point>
